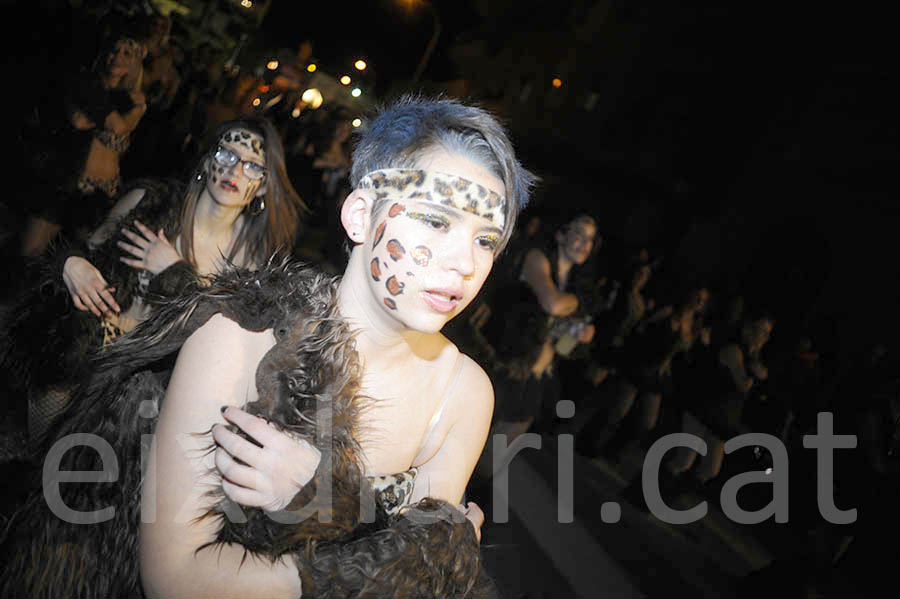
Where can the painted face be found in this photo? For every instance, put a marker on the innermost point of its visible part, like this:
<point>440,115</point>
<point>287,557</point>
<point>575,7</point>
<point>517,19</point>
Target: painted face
<point>579,240</point>
<point>227,180</point>
<point>428,258</point>
<point>125,53</point>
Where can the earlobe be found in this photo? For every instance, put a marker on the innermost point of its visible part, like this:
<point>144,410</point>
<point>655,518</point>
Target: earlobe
<point>355,213</point>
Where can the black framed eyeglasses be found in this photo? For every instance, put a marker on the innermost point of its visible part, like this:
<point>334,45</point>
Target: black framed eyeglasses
<point>227,158</point>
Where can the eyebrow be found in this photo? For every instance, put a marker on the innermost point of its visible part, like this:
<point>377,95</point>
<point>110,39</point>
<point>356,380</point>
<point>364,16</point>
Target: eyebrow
<point>454,213</point>
<point>252,158</point>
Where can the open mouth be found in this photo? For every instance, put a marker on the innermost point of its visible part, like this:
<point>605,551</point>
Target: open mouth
<point>440,300</point>
<point>229,186</point>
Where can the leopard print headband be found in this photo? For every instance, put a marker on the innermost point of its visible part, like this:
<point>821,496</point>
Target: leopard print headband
<point>441,188</point>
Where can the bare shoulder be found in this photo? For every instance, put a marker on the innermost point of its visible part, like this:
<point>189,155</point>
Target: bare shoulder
<point>221,356</point>
<point>126,204</point>
<point>474,376</point>
<point>474,391</point>
<point>221,334</point>
<point>129,201</point>
<point>535,259</point>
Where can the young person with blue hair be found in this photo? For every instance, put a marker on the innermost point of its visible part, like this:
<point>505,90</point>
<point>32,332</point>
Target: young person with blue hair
<point>323,426</point>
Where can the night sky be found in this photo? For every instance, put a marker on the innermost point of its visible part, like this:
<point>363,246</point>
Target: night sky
<point>386,33</point>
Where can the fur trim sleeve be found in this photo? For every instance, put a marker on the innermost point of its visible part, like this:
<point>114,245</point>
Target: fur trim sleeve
<point>172,281</point>
<point>429,550</point>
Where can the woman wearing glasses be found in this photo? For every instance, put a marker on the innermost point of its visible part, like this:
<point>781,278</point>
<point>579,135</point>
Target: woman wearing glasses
<point>238,207</point>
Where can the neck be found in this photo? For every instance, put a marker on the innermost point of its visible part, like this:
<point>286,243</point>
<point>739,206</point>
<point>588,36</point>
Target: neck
<point>564,265</point>
<point>213,217</point>
<point>213,221</point>
<point>380,339</point>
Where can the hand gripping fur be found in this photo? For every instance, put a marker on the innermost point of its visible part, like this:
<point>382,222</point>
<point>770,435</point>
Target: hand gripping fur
<point>308,385</point>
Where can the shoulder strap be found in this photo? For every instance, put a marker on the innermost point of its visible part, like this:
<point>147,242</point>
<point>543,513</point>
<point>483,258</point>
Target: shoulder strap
<point>448,393</point>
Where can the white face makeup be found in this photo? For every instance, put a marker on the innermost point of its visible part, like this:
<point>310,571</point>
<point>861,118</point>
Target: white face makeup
<point>230,185</point>
<point>428,253</point>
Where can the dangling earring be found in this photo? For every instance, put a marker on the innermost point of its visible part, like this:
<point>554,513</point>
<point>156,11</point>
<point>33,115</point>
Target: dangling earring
<point>201,176</point>
<point>257,206</point>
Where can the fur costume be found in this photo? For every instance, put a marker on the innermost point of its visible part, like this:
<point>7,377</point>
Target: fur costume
<point>308,381</point>
<point>66,336</point>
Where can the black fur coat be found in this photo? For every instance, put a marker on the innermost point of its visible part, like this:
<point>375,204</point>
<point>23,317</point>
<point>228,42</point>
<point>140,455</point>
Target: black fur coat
<point>310,376</point>
<point>44,340</point>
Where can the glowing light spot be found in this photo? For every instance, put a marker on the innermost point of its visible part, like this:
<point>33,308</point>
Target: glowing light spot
<point>356,122</point>
<point>295,112</point>
<point>313,97</point>
<point>345,79</point>
<point>256,101</point>
<point>360,65</point>
<point>356,92</point>
<point>246,3</point>
<point>311,67</point>
<point>557,82</point>
<point>272,65</point>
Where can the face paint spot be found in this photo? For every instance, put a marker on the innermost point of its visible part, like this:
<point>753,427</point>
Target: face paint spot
<point>379,233</point>
<point>395,250</point>
<point>394,286</point>
<point>390,303</point>
<point>395,210</point>
<point>374,268</point>
<point>421,255</point>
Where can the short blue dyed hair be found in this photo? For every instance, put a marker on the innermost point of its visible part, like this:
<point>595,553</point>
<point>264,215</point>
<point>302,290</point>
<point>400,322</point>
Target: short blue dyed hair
<point>403,132</point>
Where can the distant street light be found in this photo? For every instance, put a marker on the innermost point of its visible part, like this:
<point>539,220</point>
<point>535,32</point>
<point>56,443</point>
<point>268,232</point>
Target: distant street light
<point>356,122</point>
<point>360,65</point>
<point>272,65</point>
<point>345,79</point>
<point>313,97</point>
<point>246,3</point>
<point>311,67</point>
<point>356,92</point>
<point>557,82</point>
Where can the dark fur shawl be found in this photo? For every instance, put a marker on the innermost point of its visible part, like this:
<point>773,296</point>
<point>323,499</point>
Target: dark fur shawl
<point>45,340</point>
<point>307,383</point>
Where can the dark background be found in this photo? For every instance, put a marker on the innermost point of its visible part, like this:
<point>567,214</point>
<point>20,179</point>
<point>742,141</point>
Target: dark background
<point>748,144</point>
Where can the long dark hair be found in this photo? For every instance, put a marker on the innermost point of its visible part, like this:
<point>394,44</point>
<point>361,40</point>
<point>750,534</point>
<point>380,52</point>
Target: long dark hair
<point>272,231</point>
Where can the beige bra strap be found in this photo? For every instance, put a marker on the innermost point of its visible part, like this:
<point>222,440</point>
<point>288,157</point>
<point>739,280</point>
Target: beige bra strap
<point>448,393</point>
